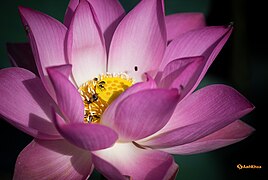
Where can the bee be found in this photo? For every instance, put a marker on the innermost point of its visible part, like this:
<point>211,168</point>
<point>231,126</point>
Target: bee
<point>95,82</point>
<point>93,93</point>
<point>98,83</point>
<point>93,118</point>
<point>90,118</point>
<point>93,98</point>
<point>101,84</point>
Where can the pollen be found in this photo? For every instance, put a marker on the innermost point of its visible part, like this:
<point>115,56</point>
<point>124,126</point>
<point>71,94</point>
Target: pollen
<point>100,92</point>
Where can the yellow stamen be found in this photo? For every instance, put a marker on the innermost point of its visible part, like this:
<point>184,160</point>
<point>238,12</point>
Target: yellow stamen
<point>98,93</point>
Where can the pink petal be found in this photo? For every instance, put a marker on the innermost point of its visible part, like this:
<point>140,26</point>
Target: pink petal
<point>70,12</point>
<point>25,103</point>
<point>86,136</point>
<point>182,74</point>
<point>196,43</point>
<point>21,55</point>
<point>139,41</point>
<point>109,13</point>
<point>85,44</point>
<point>172,172</point>
<point>180,23</point>
<point>209,102</point>
<point>69,100</point>
<point>52,160</point>
<point>205,42</point>
<point>137,87</point>
<point>65,70</point>
<point>107,169</point>
<point>134,162</point>
<point>47,41</point>
<point>143,113</point>
<point>230,134</point>
<point>200,115</point>
<point>109,113</point>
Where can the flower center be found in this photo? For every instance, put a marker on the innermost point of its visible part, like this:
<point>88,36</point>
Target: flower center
<point>101,91</point>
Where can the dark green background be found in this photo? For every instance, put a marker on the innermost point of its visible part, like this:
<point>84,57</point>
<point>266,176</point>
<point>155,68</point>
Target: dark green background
<point>241,64</point>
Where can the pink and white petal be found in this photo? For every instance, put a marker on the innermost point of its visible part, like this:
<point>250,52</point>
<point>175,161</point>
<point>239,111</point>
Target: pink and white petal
<point>86,136</point>
<point>68,98</point>
<point>53,160</point>
<point>213,101</point>
<point>180,23</point>
<point>70,12</point>
<point>40,28</point>
<point>135,162</point>
<point>200,115</point>
<point>172,172</point>
<point>205,42</point>
<point>85,44</point>
<point>20,55</point>
<point>174,68</point>
<point>109,113</point>
<point>182,74</point>
<point>149,83</point>
<point>187,134</point>
<point>143,113</point>
<point>199,42</point>
<point>228,135</point>
<point>26,104</point>
<point>107,169</point>
<point>109,13</point>
<point>139,41</point>
<point>32,131</point>
<point>65,70</point>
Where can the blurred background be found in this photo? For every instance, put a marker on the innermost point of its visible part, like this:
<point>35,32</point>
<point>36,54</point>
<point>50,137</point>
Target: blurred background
<point>242,64</point>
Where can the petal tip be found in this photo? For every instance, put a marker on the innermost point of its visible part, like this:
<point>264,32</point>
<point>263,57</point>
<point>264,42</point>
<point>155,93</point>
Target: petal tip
<point>23,10</point>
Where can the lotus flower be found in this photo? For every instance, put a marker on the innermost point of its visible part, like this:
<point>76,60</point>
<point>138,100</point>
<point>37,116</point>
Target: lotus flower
<point>107,92</point>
